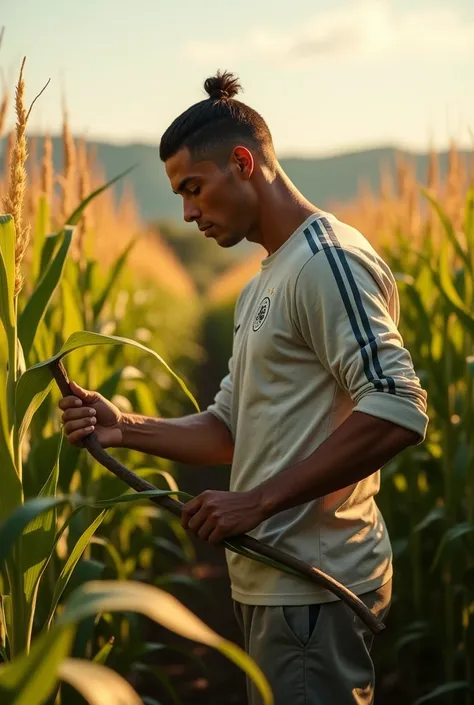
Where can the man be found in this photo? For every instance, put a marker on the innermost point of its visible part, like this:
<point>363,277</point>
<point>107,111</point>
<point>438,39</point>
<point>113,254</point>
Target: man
<point>320,394</point>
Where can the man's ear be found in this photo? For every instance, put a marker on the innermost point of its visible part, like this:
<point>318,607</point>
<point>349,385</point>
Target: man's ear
<point>243,159</point>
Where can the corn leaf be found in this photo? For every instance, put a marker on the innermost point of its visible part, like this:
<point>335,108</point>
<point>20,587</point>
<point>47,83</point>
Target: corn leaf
<point>38,541</point>
<point>425,286</point>
<point>233,546</point>
<point>114,275</point>
<point>72,561</point>
<point>32,389</point>
<point>451,535</point>
<point>34,385</point>
<point>155,647</point>
<point>110,596</point>
<point>38,302</point>
<point>21,362</point>
<point>98,684</point>
<point>114,556</point>
<point>11,489</point>
<point>7,271</point>
<point>13,527</point>
<point>71,321</point>
<point>133,496</point>
<point>68,462</point>
<point>85,571</point>
<point>456,304</point>
<point>31,678</point>
<point>75,217</point>
<point>43,346</point>
<point>416,632</point>
<point>165,546</point>
<point>51,244</point>
<point>433,515</point>
<point>7,612</point>
<point>417,303</point>
<point>442,690</point>
<point>7,309</point>
<point>146,400</point>
<point>109,386</point>
<point>170,580</point>
<point>162,677</point>
<point>70,310</point>
<point>42,226</point>
<point>86,536</point>
<point>448,229</point>
<point>8,318</point>
<point>469,223</point>
<point>172,484</point>
<point>446,278</point>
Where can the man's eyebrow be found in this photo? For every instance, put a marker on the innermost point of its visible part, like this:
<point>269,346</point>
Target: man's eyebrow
<point>183,183</point>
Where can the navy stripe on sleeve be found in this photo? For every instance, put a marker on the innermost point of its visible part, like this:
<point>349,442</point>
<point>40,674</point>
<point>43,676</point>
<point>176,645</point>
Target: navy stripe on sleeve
<point>311,242</point>
<point>369,340</point>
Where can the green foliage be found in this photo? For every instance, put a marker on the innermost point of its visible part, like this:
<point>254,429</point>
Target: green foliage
<point>36,306</point>
<point>55,499</point>
<point>34,676</point>
<point>430,515</point>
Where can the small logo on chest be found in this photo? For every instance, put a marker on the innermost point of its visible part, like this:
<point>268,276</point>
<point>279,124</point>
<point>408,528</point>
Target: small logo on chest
<point>262,313</point>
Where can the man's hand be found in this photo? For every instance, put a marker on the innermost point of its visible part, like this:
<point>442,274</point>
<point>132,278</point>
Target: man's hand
<point>214,516</point>
<point>85,412</point>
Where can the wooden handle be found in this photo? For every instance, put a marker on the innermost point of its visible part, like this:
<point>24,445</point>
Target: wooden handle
<point>306,571</point>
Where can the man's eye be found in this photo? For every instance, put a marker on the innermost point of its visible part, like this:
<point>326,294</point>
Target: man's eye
<point>196,191</point>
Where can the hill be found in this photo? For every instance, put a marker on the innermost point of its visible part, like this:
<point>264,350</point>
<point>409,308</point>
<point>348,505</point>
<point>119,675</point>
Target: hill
<point>323,180</point>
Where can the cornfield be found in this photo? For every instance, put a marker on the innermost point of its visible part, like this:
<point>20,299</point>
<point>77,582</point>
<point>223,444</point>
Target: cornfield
<point>426,234</point>
<point>78,556</point>
<point>80,560</point>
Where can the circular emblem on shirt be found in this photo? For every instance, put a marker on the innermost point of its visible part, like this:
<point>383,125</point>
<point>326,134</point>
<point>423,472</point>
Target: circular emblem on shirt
<point>262,313</point>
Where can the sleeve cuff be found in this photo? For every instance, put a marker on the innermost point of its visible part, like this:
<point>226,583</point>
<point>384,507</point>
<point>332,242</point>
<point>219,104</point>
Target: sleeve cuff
<point>214,409</point>
<point>396,409</point>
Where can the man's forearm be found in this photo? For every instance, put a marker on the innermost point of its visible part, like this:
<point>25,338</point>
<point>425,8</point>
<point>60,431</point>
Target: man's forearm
<point>357,449</point>
<point>197,439</point>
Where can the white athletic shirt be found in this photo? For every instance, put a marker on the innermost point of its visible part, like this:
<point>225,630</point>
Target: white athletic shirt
<point>315,339</point>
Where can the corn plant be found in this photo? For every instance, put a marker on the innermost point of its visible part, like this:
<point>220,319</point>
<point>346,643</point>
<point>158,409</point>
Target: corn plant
<point>436,284</point>
<point>29,532</point>
<point>48,521</point>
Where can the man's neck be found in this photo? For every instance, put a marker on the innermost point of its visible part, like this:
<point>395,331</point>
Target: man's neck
<point>283,210</point>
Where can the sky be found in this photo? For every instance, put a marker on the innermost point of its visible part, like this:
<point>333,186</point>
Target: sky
<point>327,75</point>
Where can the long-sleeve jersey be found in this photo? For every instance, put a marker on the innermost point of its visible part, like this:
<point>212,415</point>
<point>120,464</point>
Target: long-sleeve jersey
<point>316,339</point>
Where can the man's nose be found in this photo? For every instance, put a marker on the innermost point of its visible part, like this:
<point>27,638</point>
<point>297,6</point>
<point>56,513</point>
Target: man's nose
<point>190,211</point>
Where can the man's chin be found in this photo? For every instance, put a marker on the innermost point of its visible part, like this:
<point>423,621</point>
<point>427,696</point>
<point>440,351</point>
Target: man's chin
<point>227,239</point>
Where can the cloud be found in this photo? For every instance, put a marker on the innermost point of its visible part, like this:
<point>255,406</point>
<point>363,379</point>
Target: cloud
<point>366,30</point>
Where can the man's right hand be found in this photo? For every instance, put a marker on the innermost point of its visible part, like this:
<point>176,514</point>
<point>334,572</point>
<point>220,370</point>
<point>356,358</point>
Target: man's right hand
<point>86,412</point>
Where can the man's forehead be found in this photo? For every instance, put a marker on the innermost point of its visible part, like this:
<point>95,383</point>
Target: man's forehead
<point>181,166</point>
<point>178,163</point>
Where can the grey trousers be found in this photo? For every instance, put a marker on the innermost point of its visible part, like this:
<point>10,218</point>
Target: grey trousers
<point>313,654</point>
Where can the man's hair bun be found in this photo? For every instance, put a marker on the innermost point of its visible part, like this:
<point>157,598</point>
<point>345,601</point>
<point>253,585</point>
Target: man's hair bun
<point>222,86</point>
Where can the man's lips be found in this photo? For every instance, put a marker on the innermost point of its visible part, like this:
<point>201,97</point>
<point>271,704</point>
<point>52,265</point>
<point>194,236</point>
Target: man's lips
<point>206,229</point>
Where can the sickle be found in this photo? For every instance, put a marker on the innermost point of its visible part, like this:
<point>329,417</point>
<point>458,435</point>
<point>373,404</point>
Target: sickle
<point>304,570</point>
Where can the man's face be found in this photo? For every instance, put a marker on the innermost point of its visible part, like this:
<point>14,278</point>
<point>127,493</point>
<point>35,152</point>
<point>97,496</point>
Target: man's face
<point>220,200</point>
